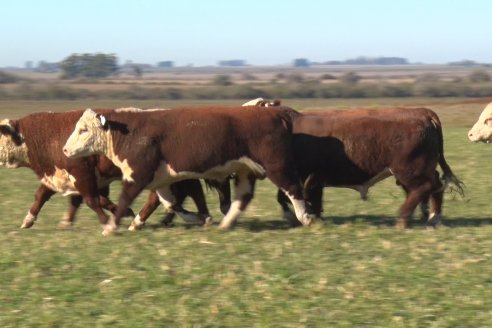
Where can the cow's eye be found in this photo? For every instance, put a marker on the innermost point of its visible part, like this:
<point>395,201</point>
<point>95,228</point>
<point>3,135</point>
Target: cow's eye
<point>488,122</point>
<point>82,130</point>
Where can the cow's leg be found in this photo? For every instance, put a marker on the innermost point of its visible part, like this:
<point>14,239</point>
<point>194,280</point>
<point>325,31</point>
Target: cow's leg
<point>287,213</point>
<point>172,202</point>
<point>243,193</point>
<point>42,195</point>
<point>289,184</point>
<point>415,195</point>
<point>149,207</point>
<point>423,205</point>
<point>314,199</point>
<point>69,217</point>
<point>107,204</point>
<point>193,188</point>
<point>224,191</point>
<point>129,192</point>
<point>436,200</point>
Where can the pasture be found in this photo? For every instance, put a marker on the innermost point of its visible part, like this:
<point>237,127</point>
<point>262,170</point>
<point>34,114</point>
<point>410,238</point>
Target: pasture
<point>352,268</point>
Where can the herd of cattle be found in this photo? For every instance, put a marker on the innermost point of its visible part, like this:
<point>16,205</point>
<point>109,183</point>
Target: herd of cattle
<point>79,153</point>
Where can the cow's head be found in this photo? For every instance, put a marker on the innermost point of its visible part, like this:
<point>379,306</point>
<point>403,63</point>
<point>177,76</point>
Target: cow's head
<point>89,136</point>
<point>13,150</point>
<point>482,129</point>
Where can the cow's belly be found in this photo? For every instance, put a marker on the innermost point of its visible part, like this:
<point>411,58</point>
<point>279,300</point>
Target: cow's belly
<point>166,175</point>
<point>60,181</point>
<point>363,187</point>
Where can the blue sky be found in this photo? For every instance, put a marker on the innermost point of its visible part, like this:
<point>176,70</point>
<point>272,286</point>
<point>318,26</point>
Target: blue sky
<point>262,32</point>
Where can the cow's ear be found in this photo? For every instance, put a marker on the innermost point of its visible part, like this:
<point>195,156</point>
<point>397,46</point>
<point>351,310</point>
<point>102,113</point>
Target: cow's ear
<point>488,122</point>
<point>103,120</point>
<point>8,127</point>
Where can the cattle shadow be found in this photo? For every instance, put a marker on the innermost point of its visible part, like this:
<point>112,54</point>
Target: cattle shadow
<point>278,224</point>
<point>379,220</point>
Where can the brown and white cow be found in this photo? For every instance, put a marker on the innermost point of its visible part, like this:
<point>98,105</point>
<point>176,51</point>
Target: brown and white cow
<point>358,148</point>
<point>154,149</point>
<point>482,129</point>
<point>35,141</point>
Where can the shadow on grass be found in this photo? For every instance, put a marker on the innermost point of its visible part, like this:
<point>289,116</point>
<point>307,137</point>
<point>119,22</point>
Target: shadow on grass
<point>391,221</point>
<point>274,224</point>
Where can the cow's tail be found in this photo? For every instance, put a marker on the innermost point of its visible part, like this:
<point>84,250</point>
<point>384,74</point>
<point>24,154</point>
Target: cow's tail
<point>448,178</point>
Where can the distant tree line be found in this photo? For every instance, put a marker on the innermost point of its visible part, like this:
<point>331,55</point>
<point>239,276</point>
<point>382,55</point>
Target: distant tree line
<point>284,86</point>
<point>89,66</point>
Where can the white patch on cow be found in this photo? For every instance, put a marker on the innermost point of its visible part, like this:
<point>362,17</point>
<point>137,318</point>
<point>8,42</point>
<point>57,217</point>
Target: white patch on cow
<point>125,168</point>
<point>168,200</point>
<point>28,221</point>
<point>128,110</point>
<point>89,137</point>
<point>11,155</point>
<point>165,174</point>
<point>482,129</point>
<point>253,102</point>
<point>434,219</point>
<point>136,224</point>
<point>243,188</point>
<point>300,209</point>
<point>137,110</point>
<point>61,181</point>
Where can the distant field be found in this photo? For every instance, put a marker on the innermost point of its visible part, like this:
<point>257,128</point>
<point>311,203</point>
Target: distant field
<point>352,269</point>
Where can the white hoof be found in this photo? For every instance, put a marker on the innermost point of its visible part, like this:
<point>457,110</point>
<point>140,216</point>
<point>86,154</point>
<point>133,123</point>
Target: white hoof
<point>208,221</point>
<point>64,224</point>
<point>136,224</point>
<point>26,224</point>
<point>109,229</point>
<point>307,219</point>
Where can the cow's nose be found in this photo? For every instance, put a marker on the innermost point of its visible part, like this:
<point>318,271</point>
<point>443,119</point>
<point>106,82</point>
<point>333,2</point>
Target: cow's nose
<point>470,134</point>
<point>65,151</point>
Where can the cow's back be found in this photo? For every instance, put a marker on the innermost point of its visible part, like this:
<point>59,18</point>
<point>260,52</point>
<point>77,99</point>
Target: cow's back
<point>350,149</point>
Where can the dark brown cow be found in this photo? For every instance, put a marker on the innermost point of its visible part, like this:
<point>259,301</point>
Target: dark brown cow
<point>36,141</point>
<point>359,148</point>
<point>156,148</point>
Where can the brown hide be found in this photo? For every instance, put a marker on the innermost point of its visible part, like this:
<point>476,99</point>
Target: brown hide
<point>349,148</point>
<point>157,148</point>
<point>45,134</point>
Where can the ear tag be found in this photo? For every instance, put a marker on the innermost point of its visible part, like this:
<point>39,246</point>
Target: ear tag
<point>103,120</point>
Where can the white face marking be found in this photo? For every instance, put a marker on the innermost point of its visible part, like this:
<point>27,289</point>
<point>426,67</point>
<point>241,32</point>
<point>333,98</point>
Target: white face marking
<point>88,138</point>
<point>12,155</point>
<point>253,102</point>
<point>482,129</point>
<point>61,181</point>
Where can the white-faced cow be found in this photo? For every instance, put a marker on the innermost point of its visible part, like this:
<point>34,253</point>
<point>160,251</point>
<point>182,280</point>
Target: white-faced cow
<point>482,129</point>
<point>358,148</point>
<point>154,149</point>
<point>35,141</point>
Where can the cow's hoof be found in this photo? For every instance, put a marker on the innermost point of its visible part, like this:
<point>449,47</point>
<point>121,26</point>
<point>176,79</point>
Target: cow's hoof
<point>434,221</point>
<point>402,224</point>
<point>208,221</point>
<point>134,226</point>
<point>26,224</point>
<point>225,227</point>
<point>109,229</point>
<point>307,219</point>
<point>64,224</point>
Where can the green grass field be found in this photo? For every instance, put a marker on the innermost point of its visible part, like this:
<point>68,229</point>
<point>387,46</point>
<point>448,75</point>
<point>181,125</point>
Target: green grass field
<point>351,269</point>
